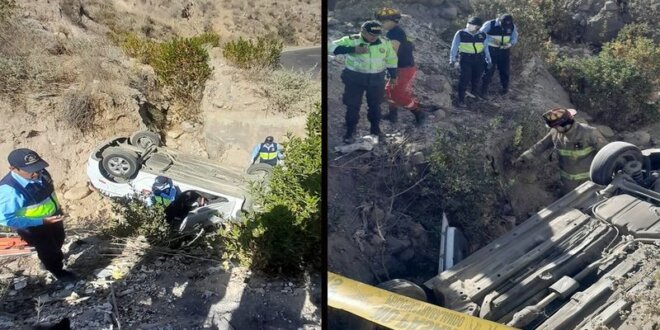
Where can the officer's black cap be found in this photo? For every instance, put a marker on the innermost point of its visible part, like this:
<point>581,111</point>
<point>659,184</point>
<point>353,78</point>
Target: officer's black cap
<point>26,160</point>
<point>373,27</point>
<point>506,20</point>
<point>476,21</point>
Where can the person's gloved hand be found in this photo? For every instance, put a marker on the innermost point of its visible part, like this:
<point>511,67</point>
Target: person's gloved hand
<point>392,82</point>
<point>454,64</point>
<point>489,65</point>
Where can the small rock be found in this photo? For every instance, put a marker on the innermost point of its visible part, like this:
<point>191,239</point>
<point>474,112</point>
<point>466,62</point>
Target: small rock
<point>207,294</point>
<point>639,138</point>
<point>418,158</point>
<point>77,193</point>
<point>20,283</point>
<point>610,6</point>
<point>605,130</point>
<point>174,134</point>
<point>188,127</point>
<point>104,273</point>
<point>105,307</point>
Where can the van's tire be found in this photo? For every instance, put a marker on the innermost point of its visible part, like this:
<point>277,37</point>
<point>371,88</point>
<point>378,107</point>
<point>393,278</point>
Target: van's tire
<point>404,288</point>
<point>142,139</point>
<point>259,168</point>
<point>120,163</point>
<point>611,159</point>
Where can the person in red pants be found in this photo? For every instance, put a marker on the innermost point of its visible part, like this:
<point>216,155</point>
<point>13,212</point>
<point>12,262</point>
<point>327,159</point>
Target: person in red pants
<point>400,93</point>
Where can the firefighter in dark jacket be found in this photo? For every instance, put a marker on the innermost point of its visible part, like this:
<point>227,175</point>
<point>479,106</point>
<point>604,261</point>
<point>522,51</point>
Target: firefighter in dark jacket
<point>29,206</point>
<point>503,35</point>
<point>576,145</point>
<point>368,57</point>
<point>472,45</point>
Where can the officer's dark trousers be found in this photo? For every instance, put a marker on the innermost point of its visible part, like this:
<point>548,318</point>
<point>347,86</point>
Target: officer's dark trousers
<point>355,86</point>
<point>47,240</point>
<point>501,59</point>
<point>472,68</point>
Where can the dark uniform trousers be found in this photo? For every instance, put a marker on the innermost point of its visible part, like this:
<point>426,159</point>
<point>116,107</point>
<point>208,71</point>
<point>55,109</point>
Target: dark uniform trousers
<point>501,61</point>
<point>355,86</point>
<point>472,69</point>
<point>47,239</point>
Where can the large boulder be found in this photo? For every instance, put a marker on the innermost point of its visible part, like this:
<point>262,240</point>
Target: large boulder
<point>605,25</point>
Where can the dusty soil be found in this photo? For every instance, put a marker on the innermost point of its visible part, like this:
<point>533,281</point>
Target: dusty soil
<point>154,290</point>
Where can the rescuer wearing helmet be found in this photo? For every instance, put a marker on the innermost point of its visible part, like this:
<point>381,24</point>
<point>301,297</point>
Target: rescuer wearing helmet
<point>576,145</point>
<point>401,94</point>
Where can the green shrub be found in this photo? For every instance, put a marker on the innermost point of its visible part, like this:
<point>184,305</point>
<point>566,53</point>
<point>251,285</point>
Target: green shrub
<point>286,237</point>
<point>529,18</point>
<point>462,181</point>
<point>136,219</point>
<point>615,86</point>
<point>246,54</point>
<point>180,64</point>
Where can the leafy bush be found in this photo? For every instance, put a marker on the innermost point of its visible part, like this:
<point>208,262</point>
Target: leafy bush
<point>528,16</point>
<point>616,86</point>
<point>246,54</point>
<point>290,92</point>
<point>180,64</point>
<point>286,237</point>
<point>463,182</point>
<point>136,219</point>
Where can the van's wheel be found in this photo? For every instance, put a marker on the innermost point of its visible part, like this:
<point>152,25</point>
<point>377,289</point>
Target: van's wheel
<point>120,163</point>
<point>143,139</point>
<point>611,159</point>
<point>404,288</point>
<point>260,169</point>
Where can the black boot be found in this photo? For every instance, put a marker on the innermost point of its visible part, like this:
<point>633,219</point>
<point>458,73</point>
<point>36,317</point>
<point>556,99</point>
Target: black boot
<point>393,115</point>
<point>420,117</point>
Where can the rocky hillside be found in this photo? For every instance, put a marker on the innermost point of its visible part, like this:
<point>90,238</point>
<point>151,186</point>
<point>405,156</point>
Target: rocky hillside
<point>389,228</point>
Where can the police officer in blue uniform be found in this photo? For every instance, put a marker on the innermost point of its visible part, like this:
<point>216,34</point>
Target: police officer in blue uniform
<point>29,206</point>
<point>268,152</point>
<point>472,45</point>
<point>503,35</point>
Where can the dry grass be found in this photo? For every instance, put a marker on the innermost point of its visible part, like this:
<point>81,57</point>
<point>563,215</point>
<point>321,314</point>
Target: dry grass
<point>292,93</point>
<point>78,108</point>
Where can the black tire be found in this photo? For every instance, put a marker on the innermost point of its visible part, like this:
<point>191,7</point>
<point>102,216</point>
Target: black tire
<point>120,163</point>
<point>260,168</point>
<point>143,139</point>
<point>404,288</point>
<point>611,159</point>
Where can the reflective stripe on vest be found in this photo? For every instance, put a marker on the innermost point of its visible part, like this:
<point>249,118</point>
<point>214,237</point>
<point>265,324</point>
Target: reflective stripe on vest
<point>379,57</point>
<point>268,153</point>
<point>496,41</point>
<point>575,154</point>
<point>40,199</point>
<point>45,208</point>
<point>574,177</point>
<point>162,200</point>
<point>498,35</point>
<point>471,44</point>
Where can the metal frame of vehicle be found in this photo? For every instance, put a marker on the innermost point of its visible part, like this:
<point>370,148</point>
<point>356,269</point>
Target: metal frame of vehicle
<point>556,270</point>
<point>186,171</point>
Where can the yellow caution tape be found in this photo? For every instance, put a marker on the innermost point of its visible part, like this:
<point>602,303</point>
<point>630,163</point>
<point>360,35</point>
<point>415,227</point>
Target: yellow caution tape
<point>398,312</point>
